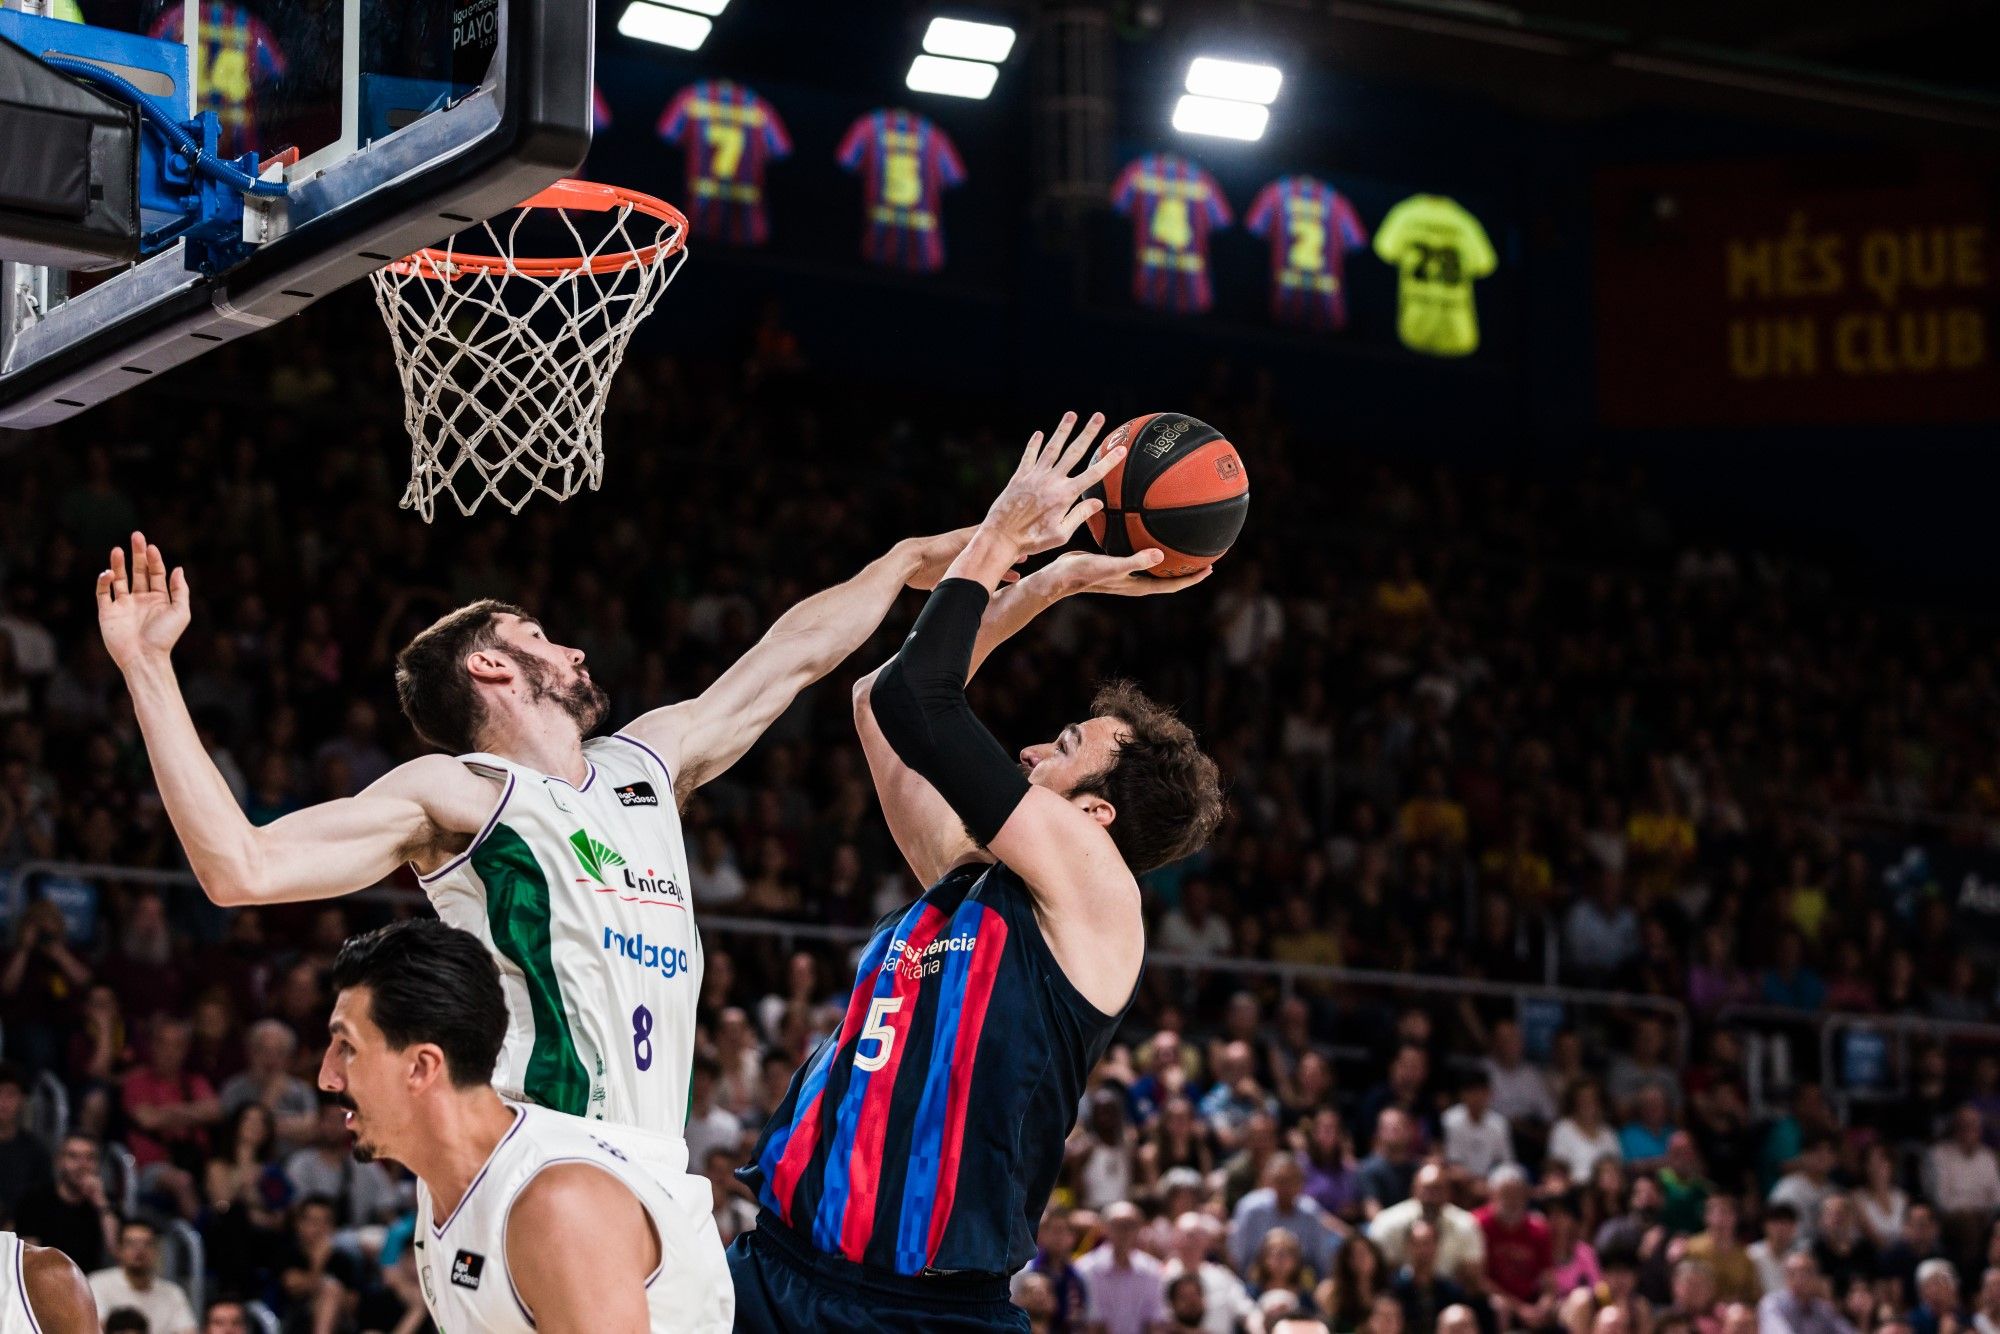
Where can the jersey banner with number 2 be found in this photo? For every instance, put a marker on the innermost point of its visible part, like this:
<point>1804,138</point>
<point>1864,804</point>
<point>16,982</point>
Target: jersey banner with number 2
<point>1311,227</point>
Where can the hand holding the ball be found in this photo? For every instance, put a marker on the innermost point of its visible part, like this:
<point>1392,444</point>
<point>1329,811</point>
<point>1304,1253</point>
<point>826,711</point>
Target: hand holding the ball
<point>1040,507</point>
<point>1076,572</point>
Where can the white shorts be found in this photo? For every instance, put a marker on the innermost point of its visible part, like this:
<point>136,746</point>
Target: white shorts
<point>692,1266</point>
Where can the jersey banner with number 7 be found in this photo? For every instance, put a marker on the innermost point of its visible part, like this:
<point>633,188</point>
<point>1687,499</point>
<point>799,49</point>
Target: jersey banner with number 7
<point>1311,227</point>
<point>1174,205</point>
<point>238,52</point>
<point>906,163</point>
<point>729,133</point>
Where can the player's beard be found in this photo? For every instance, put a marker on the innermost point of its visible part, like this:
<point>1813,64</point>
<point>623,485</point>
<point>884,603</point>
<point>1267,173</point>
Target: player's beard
<point>363,1151</point>
<point>582,699</point>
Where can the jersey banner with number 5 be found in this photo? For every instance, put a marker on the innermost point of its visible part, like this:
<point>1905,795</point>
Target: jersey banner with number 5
<point>238,52</point>
<point>729,133</point>
<point>907,164</point>
<point>1311,227</point>
<point>1174,205</point>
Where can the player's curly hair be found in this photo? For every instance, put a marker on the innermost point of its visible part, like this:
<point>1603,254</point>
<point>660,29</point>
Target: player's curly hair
<point>1167,792</point>
<point>432,684</point>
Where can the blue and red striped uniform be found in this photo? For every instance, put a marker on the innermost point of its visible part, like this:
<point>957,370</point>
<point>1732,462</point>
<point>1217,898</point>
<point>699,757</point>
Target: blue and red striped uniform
<point>730,134</point>
<point>238,52</point>
<point>1174,205</point>
<point>907,164</point>
<point>1311,227</point>
<point>925,1136</point>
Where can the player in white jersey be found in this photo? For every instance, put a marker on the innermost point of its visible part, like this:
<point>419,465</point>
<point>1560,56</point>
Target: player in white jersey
<point>564,855</point>
<point>527,1219</point>
<point>42,1291</point>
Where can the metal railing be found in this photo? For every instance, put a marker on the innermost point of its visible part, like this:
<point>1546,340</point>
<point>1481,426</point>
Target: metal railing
<point>1288,977</point>
<point>186,1262</point>
<point>48,1111</point>
<point>1823,1030</point>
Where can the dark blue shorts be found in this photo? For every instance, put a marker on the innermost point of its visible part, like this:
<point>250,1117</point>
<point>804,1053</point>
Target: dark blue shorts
<point>783,1287</point>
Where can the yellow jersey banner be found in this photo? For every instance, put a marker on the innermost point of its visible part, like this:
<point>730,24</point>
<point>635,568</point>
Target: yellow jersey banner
<point>1438,251</point>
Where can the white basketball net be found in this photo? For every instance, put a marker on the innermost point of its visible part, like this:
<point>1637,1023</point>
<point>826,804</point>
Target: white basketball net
<point>505,371</point>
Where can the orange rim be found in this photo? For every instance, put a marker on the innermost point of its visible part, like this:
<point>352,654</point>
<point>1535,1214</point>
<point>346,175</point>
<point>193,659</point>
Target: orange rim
<point>584,196</point>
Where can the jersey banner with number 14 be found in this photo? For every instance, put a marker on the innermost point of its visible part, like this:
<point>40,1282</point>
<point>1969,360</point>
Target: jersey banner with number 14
<point>906,165</point>
<point>729,133</point>
<point>1311,227</point>
<point>1174,205</point>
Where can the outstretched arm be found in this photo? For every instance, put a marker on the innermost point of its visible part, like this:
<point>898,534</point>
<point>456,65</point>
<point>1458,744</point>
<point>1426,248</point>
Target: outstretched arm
<point>931,837</point>
<point>599,1288</point>
<point>701,737</point>
<point>317,853</point>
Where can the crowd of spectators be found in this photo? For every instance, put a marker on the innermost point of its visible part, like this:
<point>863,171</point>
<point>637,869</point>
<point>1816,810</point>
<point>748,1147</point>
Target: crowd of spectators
<point>1474,726</point>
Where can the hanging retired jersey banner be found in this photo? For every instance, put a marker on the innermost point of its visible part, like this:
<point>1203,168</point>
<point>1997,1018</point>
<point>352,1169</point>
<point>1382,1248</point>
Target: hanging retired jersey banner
<point>238,52</point>
<point>1174,205</point>
<point>906,165</point>
<point>600,111</point>
<point>729,134</point>
<point>1439,250</point>
<point>1311,227</point>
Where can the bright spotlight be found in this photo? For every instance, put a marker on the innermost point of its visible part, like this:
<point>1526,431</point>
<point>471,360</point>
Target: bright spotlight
<point>969,41</point>
<point>1235,80</point>
<point>649,22</point>
<point>708,7</point>
<point>954,78</point>
<point>1220,117</point>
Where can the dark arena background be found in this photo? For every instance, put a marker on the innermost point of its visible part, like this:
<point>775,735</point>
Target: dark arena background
<point>1606,683</point>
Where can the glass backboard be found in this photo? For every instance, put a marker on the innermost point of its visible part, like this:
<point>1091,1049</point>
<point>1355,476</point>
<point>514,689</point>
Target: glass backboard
<point>391,123</point>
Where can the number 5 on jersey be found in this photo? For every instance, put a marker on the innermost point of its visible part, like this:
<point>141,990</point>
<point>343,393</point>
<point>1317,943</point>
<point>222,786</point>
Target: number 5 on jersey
<point>877,1027</point>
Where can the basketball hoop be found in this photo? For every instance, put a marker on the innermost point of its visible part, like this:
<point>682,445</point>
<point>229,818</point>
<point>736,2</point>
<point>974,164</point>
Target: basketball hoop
<point>506,358</point>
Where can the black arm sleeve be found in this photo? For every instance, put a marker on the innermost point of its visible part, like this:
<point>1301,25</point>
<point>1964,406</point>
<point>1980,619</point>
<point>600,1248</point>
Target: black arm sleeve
<point>919,703</point>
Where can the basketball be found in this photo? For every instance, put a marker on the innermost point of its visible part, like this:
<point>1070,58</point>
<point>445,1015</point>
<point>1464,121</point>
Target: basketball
<point>1181,488</point>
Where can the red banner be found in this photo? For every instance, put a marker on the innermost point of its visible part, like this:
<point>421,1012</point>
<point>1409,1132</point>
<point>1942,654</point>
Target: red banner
<point>1798,292</point>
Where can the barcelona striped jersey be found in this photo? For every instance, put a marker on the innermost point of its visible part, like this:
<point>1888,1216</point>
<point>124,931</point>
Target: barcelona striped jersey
<point>906,164</point>
<point>1174,205</point>
<point>925,1136</point>
<point>1311,227</point>
<point>237,53</point>
<point>729,134</point>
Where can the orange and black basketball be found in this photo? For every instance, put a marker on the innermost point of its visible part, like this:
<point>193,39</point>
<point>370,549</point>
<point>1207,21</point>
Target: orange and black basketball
<point>1181,488</point>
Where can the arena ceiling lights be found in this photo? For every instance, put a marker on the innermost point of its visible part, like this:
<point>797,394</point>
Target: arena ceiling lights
<point>961,58</point>
<point>1228,99</point>
<point>683,24</point>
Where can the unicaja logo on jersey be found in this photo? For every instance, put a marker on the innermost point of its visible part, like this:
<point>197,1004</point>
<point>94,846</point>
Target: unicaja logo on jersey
<point>595,857</point>
<point>600,860</point>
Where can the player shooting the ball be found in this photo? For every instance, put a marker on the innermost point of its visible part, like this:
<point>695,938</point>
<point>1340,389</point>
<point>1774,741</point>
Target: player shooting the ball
<point>561,851</point>
<point>902,1176</point>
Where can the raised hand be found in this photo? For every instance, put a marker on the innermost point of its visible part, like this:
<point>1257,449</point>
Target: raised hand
<point>930,557</point>
<point>1039,507</point>
<point>1076,572</point>
<point>141,609</point>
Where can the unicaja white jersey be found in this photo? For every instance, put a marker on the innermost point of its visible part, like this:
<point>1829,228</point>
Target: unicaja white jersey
<point>462,1259</point>
<point>16,1316</point>
<point>581,893</point>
